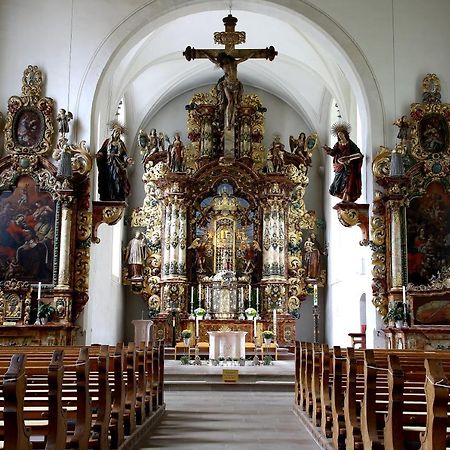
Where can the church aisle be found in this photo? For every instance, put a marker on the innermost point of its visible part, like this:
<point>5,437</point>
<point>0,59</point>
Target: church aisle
<point>230,420</point>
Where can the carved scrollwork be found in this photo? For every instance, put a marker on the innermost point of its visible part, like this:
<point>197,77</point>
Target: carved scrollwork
<point>84,225</point>
<point>381,163</point>
<point>81,281</point>
<point>378,246</point>
<point>105,212</point>
<point>351,214</point>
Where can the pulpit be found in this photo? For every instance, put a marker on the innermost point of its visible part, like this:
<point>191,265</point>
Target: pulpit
<point>142,331</point>
<point>227,344</point>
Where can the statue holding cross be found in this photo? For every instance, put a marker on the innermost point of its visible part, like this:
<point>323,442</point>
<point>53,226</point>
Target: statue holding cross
<point>229,87</point>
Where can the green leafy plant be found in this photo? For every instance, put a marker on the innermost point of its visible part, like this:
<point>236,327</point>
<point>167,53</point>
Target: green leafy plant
<point>268,334</point>
<point>250,312</point>
<point>396,312</point>
<point>45,310</point>
<point>186,334</point>
<point>268,360</point>
<point>184,360</point>
<point>200,312</point>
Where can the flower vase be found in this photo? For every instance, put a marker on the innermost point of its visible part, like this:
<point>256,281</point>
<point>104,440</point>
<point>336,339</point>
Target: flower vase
<point>267,341</point>
<point>186,341</point>
<point>43,320</point>
<point>398,323</point>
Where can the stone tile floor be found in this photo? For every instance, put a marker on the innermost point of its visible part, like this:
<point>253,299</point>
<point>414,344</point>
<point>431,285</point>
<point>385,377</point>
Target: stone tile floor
<point>229,420</point>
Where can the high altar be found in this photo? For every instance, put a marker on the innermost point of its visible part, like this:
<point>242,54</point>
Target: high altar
<point>223,216</point>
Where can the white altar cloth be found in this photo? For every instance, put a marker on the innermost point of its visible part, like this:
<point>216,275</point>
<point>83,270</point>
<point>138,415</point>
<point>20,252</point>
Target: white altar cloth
<point>226,344</point>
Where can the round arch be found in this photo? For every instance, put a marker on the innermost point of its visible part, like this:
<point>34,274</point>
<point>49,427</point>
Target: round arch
<point>321,27</point>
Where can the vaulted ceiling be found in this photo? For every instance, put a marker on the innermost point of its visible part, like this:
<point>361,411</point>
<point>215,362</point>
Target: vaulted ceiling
<point>306,74</point>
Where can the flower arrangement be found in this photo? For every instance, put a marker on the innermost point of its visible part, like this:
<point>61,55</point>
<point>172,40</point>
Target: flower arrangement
<point>200,312</point>
<point>268,334</point>
<point>250,312</point>
<point>186,334</point>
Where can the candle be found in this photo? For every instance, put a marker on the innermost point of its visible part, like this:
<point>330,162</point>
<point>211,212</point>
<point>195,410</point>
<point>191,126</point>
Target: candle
<point>316,298</point>
<point>254,327</point>
<point>275,324</point>
<point>404,294</point>
<point>257,300</point>
<point>39,290</point>
<point>242,294</point>
<point>196,327</point>
<point>200,295</point>
<point>249,295</point>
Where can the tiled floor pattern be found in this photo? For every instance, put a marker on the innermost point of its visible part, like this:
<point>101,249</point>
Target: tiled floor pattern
<point>229,420</point>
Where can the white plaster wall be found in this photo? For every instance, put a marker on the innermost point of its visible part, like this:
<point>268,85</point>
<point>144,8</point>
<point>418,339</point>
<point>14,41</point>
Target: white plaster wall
<point>104,313</point>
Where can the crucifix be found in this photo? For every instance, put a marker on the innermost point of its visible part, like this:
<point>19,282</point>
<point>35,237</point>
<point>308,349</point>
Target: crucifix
<point>229,87</point>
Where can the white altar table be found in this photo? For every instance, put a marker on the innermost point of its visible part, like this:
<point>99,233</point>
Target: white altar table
<point>226,344</point>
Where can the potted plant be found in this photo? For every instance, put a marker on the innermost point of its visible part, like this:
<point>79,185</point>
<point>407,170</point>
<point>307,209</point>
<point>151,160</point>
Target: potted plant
<point>199,312</point>
<point>186,335</point>
<point>268,335</point>
<point>45,311</point>
<point>250,313</point>
<point>396,314</point>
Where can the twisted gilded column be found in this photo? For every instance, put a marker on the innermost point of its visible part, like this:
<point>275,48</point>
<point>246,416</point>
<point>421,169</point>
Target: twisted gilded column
<point>175,239</point>
<point>273,240</point>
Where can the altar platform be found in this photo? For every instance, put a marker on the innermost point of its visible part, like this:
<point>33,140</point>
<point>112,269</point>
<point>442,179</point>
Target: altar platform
<point>279,376</point>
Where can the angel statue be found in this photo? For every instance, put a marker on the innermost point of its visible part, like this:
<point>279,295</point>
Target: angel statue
<point>250,250</point>
<point>403,127</point>
<point>151,143</point>
<point>63,118</point>
<point>300,149</point>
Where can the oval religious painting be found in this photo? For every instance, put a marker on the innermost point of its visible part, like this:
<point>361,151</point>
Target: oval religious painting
<point>433,133</point>
<point>28,127</point>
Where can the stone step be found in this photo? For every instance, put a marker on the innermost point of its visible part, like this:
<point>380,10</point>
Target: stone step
<point>204,385</point>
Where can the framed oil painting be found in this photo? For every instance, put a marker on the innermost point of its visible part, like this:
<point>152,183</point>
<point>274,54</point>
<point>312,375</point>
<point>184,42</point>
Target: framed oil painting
<point>428,234</point>
<point>27,225</point>
<point>28,127</point>
<point>433,133</point>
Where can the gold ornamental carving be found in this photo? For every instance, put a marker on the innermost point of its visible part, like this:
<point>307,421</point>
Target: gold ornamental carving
<point>381,163</point>
<point>84,225</point>
<point>29,122</point>
<point>351,214</point>
<point>105,212</point>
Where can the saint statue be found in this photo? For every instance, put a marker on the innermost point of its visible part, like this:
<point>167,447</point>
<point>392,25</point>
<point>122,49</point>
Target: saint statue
<point>135,255</point>
<point>112,163</point>
<point>312,258</point>
<point>275,156</point>
<point>251,251</point>
<point>347,163</point>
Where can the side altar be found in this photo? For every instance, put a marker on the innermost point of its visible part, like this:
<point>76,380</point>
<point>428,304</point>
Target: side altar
<point>224,221</point>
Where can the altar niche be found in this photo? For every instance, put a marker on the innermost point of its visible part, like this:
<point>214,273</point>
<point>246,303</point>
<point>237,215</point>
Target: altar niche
<point>224,227</point>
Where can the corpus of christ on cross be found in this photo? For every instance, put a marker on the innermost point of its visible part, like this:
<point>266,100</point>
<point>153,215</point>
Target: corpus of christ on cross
<point>228,59</point>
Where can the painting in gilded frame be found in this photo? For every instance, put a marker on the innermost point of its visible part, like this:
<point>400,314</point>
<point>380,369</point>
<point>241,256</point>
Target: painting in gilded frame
<point>27,221</point>
<point>428,235</point>
<point>28,127</point>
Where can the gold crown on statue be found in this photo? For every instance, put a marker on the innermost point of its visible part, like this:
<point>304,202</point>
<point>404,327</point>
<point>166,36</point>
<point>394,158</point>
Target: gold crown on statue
<point>114,125</point>
<point>340,126</point>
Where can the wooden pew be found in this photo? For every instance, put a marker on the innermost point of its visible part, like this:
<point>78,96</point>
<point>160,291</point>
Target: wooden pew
<point>105,401</point>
